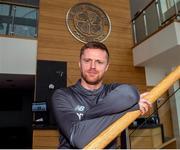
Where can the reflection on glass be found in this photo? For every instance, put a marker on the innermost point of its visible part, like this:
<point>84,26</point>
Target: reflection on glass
<point>152,18</point>
<point>167,9</point>
<point>25,12</point>
<point>140,28</point>
<point>25,21</point>
<point>3,27</point>
<point>4,13</point>
<point>27,31</point>
<point>4,9</point>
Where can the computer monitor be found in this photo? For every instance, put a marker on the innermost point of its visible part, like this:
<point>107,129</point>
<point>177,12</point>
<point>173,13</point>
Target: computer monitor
<point>40,113</point>
<point>39,106</point>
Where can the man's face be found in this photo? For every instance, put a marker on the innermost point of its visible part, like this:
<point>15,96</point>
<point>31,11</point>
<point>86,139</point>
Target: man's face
<point>93,64</point>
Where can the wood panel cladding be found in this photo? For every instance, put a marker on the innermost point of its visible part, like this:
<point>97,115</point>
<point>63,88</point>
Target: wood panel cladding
<point>56,43</point>
<point>146,138</point>
<point>45,139</point>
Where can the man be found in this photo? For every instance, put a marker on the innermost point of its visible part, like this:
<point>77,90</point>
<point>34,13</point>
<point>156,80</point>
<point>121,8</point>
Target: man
<point>85,109</point>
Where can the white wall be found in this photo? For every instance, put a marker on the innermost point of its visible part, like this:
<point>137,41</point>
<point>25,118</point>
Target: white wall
<point>18,56</point>
<point>154,75</point>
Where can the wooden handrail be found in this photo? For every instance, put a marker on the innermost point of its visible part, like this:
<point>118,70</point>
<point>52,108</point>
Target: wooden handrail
<point>110,133</point>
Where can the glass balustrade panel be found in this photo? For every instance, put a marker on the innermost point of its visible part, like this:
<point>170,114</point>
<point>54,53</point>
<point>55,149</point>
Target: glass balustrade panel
<point>5,19</point>
<point>167,9</point>
<point>25,21</point>
<point>18,20</point>
<point>152,18</point>
<point>140,28</point>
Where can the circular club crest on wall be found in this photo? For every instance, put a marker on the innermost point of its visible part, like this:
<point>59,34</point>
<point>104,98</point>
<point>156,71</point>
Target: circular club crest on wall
<point>87,22</point>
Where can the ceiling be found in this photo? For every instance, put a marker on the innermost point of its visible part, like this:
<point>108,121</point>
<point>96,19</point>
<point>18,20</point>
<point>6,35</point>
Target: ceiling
<point>17,81</point>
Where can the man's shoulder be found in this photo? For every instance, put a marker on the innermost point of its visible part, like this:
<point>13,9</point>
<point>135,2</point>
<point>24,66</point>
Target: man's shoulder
<point>62,94</point>
<point>65,89</point>
<point>111,85</point>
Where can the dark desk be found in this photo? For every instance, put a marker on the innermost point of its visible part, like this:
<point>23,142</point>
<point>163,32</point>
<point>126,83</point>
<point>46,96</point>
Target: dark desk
<point>15,138</point>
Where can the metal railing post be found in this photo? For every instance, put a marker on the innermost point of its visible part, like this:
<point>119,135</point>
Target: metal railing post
<point>158,13</point>
<point>125,140</point>
<point>36,27</point>
<point>145,23</point>
<point>175,7</point>
<point>12,22</point>
<point>134,31</point>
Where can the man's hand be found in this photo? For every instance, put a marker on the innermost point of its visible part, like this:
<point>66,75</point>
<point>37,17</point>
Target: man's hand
<point>144,105</point>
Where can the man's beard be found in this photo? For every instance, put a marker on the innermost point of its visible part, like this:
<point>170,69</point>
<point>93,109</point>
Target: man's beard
<point>95,82</point>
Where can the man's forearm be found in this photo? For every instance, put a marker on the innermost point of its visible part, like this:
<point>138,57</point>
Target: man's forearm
<point>122,98</point>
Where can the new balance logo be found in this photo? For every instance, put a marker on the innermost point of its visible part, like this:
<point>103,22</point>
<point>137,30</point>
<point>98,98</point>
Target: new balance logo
<point>80,115</point>
<point>79,109</point>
